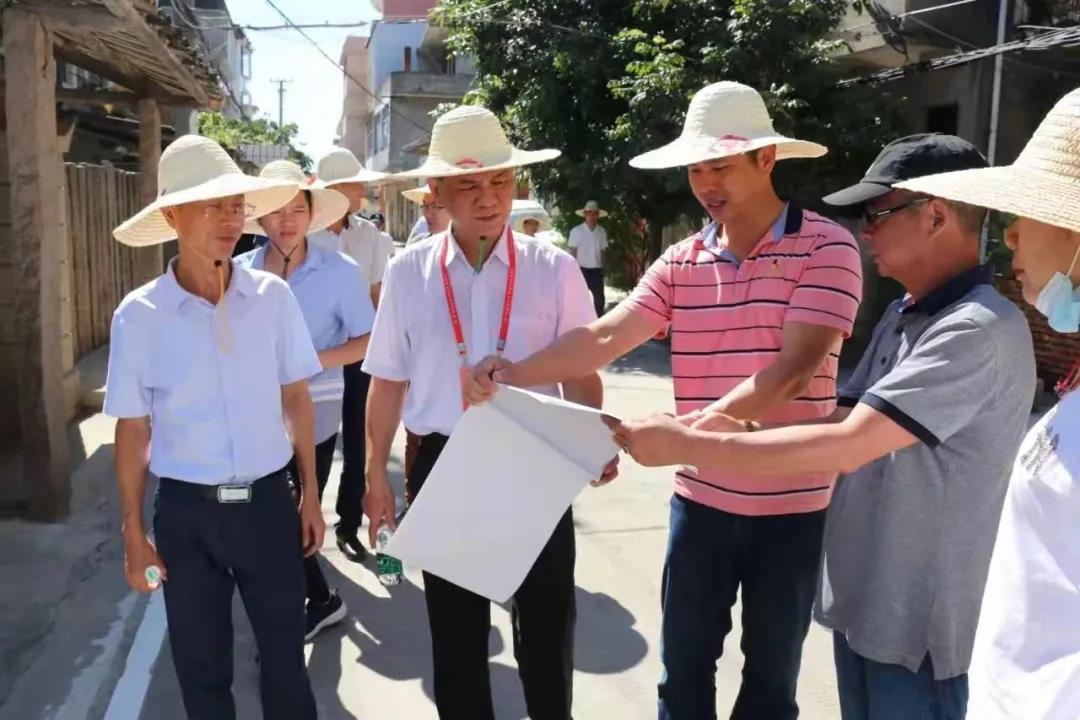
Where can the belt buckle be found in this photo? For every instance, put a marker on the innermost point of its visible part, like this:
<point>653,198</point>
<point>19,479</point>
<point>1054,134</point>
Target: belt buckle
<point>233,493</point>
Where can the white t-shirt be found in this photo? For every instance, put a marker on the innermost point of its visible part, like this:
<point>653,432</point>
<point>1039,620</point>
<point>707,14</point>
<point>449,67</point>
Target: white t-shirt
<point>1026,661</point>
<point>361,241</point>
<point>590,245</point>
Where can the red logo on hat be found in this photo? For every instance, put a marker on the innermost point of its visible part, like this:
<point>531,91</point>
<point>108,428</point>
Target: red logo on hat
<point>469,164</point>
<point>311,179</point>
<point>728,144</point>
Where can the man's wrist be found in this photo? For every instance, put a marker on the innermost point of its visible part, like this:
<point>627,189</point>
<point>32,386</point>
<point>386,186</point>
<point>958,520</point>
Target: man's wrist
<point>133,529</point>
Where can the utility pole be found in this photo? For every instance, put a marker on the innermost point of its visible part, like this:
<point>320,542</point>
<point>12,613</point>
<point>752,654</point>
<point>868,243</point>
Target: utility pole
<point>281,100</point>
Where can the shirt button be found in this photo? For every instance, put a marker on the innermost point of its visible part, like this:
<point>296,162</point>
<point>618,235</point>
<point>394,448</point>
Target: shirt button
<point>883,360</point>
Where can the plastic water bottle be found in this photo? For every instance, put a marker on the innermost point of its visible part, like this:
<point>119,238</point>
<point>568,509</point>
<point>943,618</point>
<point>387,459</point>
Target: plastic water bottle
<point>153,576</point>
<point>389,568</point>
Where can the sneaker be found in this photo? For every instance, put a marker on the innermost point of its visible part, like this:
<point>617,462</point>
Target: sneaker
<point>350,546</point>
<point>320,617</point>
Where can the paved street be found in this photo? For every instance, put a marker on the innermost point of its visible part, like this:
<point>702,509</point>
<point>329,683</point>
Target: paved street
<point>377,664</point>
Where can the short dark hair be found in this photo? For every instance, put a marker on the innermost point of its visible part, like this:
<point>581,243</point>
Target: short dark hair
<point>310,202</point>
<point>971,217</point>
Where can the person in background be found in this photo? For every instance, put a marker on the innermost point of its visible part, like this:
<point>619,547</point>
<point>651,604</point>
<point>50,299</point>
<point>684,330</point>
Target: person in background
<point>208,369</point>
<point>433,215</point>
<point>339,316</point>
<point>514,293</point>
<point>587,244</point>
<point>528,217</point>
<point>759,303</point>
<point>360,240</point>
<point>926,428</point>
<point>379,221</point>
<point>1026,660</point>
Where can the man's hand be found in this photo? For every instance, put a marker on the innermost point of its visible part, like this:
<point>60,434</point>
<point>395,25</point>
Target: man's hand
<point>714,421</point>
<point>481,381</point>
<point>312,525</point>
<point>611,471</point>
<point>654,441</point>
<point>139,554</point>
<point>378,505</point>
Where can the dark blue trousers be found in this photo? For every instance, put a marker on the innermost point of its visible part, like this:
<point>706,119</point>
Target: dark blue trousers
<point>711,555</point>
<point>209,550</point>
<point>350,499</point>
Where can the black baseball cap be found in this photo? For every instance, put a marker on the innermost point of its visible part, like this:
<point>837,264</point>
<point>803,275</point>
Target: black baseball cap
<point>908,158</point>
<point>377,217</point>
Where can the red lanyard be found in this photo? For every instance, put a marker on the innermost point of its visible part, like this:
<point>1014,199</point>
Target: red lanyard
<point>508,300</point>
<point>1070,382</point>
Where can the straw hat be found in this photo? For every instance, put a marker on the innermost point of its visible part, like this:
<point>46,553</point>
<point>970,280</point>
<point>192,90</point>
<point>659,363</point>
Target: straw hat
<point>590,206</point>
<point>418,193</point>
<point>341,166</point>
<point>1043,184</point>
<point>196,169</point>
<point>327,206</point>
<point>724,119</point>
<point>469,140</point>
<point>523,210</point>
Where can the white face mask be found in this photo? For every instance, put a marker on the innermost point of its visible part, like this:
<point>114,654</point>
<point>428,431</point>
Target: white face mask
<point>1059,302</point>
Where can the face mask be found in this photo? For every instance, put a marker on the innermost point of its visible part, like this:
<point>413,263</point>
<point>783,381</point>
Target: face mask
<point>1060,303</point>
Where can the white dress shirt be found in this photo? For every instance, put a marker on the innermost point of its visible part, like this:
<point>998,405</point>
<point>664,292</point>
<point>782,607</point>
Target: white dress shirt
<point>216,416</point>
<point>361,241</point>
<point>1026,661</point>
<point>590,245</point>
<point>413,340</point>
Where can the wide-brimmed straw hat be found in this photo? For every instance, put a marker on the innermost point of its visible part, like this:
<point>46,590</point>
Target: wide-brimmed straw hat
<point>327,206</point>
<point>1043,184</point>
<point>724,119</point>
<point>418,193</point>
<point>469,140</point>
<point>591,206</point>
<point>196,169</point>
<point>341,166</point>
<point>522,210</point>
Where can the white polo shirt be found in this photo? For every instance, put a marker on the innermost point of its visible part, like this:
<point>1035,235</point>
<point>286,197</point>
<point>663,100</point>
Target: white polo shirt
<point>1026,661</point>
<point>216,416</point>
<point>361,241</point>
<point>413,340</point>
<point>590,245</point>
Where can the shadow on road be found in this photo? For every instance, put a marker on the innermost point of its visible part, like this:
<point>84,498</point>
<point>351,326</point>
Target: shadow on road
<point>606,641</point>
<point>652,358</point>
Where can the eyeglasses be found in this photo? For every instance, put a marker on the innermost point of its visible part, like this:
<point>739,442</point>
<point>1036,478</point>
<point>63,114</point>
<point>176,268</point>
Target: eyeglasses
<point>431,206</point>
<point>218,211</point>
<point>871,218</point>
<point>1007,219</point>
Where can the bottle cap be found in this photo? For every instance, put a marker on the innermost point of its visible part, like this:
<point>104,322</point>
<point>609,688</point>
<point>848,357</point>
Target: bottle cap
<point>153,576</point>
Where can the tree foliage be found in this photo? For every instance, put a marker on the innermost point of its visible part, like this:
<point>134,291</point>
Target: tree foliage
<point>604,80</point>
<point>230,132</point>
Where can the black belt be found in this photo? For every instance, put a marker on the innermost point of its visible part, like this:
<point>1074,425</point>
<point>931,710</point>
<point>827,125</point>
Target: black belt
<point>228,493</point>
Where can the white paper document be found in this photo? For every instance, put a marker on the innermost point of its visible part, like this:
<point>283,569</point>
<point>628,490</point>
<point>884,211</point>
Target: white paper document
<point>507,475</point>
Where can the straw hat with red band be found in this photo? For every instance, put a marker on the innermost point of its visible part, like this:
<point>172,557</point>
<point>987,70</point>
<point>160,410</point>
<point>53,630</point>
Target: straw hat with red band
<point>196,169</point>
<point>470,140</point>
<point>725,119</point>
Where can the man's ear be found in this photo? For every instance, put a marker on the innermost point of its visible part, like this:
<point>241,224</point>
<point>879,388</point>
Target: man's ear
<point>170,215</point>
<point>939,212</point>
<point>766,158</point>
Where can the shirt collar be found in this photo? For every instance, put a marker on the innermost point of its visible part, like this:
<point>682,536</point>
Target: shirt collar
<point>788,222</point>
<point>945,295</point>
<point>455,250</point>
<point>172,296</point>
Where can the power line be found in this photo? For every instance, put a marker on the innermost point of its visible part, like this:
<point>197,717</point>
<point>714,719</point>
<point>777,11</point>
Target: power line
<point>344,71</point>
<point>910,13</point>
<point>314,26</point>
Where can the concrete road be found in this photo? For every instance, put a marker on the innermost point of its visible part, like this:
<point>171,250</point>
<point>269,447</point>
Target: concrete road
<point>377,663</point>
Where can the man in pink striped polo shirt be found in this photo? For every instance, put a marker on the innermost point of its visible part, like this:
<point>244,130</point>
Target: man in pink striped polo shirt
<point>758,305</point>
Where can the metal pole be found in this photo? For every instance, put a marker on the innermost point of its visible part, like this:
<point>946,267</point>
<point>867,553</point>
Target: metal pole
<point>281,100</point>
<point>995,102</point>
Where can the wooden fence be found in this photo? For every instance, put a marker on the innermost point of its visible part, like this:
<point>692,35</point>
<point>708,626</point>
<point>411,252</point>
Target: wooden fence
<point>102,270</point>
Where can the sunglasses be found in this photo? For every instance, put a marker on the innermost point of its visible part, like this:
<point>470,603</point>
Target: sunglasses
<point>1007,219</point>
<point>871,218</point>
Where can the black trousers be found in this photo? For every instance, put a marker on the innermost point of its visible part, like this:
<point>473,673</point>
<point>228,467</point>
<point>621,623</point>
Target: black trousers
<point>318,592</point>
<point>350,499</point>
<point>210,549</point>
<point>594,279</point>
<point>542,614</point>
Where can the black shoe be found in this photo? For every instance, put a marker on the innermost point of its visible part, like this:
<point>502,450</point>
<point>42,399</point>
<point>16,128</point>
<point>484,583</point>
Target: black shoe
<point>320,617</point>
<point>350,546</point>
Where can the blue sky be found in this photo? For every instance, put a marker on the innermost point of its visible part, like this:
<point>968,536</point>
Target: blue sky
<point>313,99</point>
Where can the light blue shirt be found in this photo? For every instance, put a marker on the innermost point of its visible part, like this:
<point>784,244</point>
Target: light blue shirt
<point>711,240</point>
<point>214,407</point>
<point>337,307</point>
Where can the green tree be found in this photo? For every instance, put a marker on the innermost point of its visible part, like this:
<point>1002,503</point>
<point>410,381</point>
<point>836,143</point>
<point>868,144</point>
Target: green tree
<point>230,132</point>
<point>608,79</point>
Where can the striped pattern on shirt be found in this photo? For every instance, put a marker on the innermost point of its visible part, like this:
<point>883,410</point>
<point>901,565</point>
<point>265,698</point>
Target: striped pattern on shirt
<point>726,322</point>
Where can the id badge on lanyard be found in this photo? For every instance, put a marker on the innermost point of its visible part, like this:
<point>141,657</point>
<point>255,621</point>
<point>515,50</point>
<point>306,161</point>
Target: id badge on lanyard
<point>455,317</point>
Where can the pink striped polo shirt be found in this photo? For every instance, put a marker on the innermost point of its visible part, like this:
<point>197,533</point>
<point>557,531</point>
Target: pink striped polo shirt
<point>726,321</point>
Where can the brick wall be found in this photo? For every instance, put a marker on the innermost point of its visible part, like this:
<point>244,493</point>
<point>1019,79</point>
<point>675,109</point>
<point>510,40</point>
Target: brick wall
<point>1054,353</point>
